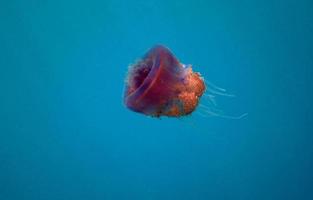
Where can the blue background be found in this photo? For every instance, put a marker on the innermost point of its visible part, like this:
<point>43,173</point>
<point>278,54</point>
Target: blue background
<point>65,133</point>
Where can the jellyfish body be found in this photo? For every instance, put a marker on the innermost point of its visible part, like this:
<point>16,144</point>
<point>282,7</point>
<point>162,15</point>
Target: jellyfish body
<point>159,85</point>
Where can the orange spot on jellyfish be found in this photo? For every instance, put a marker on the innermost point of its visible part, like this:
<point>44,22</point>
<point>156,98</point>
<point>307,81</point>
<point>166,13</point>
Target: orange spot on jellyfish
<point>159,85</point>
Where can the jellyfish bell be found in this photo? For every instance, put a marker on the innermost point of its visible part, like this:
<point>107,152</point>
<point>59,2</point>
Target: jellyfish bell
<point>159,85</point>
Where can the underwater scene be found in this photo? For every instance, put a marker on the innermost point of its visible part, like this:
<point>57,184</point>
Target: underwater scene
<point>156,100</point>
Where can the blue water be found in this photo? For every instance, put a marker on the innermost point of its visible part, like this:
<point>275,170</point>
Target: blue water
<point>65,133</point>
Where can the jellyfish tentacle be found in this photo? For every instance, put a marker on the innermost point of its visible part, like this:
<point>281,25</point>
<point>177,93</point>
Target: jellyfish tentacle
<point>219,113</point>
<point>220,93</point>
<point>211,99</point>
<point>213,86</point>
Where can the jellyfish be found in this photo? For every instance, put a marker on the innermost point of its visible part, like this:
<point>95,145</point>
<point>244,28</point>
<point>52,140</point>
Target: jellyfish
<point>159,85</point>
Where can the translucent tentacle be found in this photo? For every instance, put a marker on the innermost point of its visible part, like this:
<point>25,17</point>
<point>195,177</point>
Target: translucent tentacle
<point>219,113</point>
